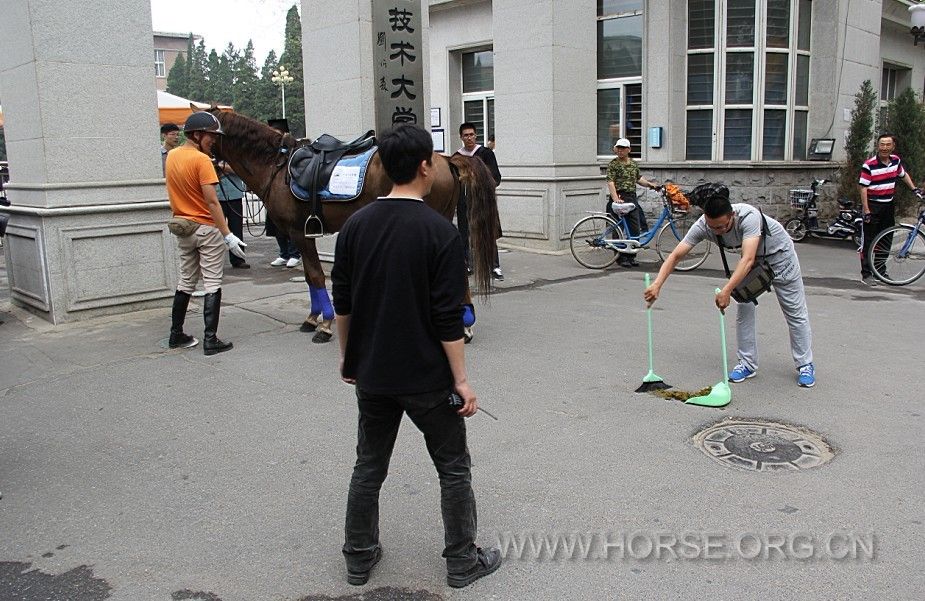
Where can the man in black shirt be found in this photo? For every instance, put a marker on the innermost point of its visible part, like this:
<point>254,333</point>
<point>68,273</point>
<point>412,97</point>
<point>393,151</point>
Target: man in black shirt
<point>398,288</point>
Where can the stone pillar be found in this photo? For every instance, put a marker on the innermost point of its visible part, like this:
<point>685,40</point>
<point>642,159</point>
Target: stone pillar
<point>87,232</point>
<point>545,117</point>
<point>337,54</point>
<point>848,35</point>
<point>337,50</point>
<point>337,58</point>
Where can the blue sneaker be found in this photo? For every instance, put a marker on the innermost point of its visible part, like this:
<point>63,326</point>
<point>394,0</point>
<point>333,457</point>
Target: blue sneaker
<point>807,377</point>
<point>740,373</point>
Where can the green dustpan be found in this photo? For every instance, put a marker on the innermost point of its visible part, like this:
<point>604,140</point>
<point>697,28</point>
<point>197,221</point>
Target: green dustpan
<point>721,394</point>
<point>651,381</point>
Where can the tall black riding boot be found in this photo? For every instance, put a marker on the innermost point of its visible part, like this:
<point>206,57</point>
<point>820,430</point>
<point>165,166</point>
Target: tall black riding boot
<point>177,338</point>
<point>211,305</point>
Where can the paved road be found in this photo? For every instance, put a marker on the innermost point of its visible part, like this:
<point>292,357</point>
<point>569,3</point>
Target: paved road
<point>130,472</point>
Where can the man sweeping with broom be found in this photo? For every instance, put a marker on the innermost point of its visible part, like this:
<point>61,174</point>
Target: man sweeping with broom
<point>764,243</point>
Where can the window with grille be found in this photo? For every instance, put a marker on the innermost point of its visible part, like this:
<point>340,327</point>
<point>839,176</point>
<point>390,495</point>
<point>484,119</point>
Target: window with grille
<point>478,92</point>
<point>619,74</point>
<point>747,79</point>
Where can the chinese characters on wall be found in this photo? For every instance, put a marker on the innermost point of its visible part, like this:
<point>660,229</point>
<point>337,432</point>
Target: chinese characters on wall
<point>398,62</point>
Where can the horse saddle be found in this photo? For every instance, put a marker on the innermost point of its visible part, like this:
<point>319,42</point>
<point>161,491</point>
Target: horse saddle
<point>311,166</point>
<point>345,183</point>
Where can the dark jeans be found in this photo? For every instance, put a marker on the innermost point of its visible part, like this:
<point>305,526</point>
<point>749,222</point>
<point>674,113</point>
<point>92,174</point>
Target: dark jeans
<point>636,220</point>
<point>445,435</point>
<point>287,248</point>
<point>235,217</point>
<point>882,216</point>
<point>462,224</point>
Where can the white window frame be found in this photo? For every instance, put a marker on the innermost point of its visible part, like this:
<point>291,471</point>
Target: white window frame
<point>160,63</point>
<point>902,79</point>
<point>759,51</point>
<point>484,95</point>
<point>621,82</point>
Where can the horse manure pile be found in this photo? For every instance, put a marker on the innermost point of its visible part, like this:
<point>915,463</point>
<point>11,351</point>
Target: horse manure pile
<point>681,395</point>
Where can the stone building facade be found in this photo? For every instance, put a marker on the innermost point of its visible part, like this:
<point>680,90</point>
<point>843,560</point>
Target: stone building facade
<point>729,90</point>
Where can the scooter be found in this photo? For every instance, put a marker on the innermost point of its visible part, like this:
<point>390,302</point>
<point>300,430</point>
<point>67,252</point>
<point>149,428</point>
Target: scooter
<point>846,226</point>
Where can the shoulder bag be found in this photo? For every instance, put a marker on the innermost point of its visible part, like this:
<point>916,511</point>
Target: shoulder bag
<point>758,279</point>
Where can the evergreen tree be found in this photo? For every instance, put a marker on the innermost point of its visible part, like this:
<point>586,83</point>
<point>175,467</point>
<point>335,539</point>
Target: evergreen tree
<point>213,78</point>
<point>267,97</point>
<point>905,117</point>
<point>177,78</point>
<point>197,79</point>
<point>292,60</point>
<point>858,142</point>
<point>224,79</point>
<point>245,93</point>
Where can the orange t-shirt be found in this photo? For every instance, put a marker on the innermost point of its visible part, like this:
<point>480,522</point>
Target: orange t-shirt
<point>187,170</point>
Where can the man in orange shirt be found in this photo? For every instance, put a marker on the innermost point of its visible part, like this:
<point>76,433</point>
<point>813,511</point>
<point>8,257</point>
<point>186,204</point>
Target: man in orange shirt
<point>191,180</point>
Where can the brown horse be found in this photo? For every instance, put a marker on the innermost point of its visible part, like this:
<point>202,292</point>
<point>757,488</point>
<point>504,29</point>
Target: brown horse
<point>259,155</point>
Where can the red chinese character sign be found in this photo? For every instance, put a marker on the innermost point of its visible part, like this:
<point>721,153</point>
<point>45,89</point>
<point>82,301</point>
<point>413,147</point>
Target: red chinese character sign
<point>398,54</point>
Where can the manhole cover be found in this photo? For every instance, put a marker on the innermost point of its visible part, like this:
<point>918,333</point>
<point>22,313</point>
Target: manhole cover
<point>763,446</point>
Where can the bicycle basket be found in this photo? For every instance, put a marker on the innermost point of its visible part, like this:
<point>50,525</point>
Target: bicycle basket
<point>679,202</point>
<point>799,198</point>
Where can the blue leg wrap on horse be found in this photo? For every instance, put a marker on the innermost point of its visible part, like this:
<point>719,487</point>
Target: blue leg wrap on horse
<point>324,303</point>
<point>468,315</point>
<point>313,297</point>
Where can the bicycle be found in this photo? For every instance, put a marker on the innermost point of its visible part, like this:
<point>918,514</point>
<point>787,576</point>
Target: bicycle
<point>846,226</point>
<point>897,254</point>
<point>597,240</point>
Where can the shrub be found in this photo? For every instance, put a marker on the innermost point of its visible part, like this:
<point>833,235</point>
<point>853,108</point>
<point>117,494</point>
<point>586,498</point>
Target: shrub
<point>858,142</point>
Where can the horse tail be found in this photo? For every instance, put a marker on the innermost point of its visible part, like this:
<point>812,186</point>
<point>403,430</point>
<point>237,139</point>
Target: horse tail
<point>478,185</point>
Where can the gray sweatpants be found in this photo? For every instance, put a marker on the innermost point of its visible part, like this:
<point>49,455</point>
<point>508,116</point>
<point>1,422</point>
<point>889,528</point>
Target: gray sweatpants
<point>788,286</point>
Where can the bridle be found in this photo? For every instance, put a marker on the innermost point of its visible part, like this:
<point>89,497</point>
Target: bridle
<point>282,154</point>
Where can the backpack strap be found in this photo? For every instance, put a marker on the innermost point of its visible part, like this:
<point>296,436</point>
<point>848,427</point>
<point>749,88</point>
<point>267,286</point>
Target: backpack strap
<point>764,242</point>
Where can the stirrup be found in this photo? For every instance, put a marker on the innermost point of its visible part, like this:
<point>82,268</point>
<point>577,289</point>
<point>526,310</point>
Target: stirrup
<point>317,230</point>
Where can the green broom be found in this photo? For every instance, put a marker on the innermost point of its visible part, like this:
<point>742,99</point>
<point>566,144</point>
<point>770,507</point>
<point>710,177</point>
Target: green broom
<point>721,394</point>
<point>651,381</point>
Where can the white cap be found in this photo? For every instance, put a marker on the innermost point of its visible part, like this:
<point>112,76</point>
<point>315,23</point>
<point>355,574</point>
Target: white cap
<point>622,142</point>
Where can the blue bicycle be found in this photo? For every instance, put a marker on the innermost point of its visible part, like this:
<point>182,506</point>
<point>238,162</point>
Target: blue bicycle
<point>597,240</point>
<point>897,254</point>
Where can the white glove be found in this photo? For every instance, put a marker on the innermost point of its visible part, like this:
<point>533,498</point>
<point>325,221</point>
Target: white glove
<point>235,245</point>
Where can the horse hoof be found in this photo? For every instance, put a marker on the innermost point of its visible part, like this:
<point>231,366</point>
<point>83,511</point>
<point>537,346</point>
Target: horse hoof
<point>467,335</point>
<point>307,326</point>
<point>321,337</point>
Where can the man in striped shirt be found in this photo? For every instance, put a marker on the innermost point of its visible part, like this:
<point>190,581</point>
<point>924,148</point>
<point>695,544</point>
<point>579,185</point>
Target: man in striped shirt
<point>877,184</point>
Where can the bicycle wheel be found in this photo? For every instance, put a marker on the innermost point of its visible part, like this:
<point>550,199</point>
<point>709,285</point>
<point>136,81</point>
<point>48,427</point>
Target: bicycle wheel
<point>897,255</point>
<point>589,241</point>
<point>667,240</point>
<point>795,228</point>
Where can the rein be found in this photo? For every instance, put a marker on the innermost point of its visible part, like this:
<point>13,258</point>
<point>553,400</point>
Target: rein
<point>283,153</point>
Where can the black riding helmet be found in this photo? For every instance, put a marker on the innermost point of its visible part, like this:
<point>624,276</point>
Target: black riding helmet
<point>203,121</point>
<point>704,192</point>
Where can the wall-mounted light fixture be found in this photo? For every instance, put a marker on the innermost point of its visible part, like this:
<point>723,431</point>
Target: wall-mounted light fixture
<point>917,15</point>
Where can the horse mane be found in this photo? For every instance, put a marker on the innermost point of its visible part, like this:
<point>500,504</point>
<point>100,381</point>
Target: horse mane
<point>258,141</point>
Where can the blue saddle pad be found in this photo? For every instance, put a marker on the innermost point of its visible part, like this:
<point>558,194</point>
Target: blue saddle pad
<point>346,181</point>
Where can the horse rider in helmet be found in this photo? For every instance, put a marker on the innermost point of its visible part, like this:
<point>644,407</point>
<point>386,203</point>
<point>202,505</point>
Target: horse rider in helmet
<point>191,180</point>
